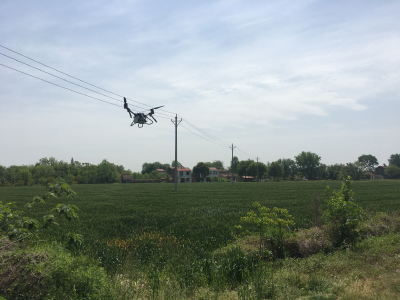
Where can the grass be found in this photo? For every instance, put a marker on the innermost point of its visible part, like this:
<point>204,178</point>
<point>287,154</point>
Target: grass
<point>153,240</point>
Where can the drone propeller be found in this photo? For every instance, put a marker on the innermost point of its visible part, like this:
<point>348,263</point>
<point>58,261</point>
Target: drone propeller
<point>127,108</point>
<point>152,110</point>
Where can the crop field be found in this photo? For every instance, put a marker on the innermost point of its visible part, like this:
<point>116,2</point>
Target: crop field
<point>155,230</point>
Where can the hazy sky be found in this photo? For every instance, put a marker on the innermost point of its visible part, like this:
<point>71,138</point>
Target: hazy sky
<point>273,77</point>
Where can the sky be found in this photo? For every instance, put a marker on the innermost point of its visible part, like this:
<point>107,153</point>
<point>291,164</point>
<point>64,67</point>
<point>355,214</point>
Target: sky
<point>273,78</point>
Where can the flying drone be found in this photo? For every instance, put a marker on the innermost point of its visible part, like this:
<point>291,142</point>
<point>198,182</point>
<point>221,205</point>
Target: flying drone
<point>141,118</point>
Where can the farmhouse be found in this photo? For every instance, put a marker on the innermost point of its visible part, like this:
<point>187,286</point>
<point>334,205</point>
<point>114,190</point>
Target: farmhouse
<point>381,170</point>
<point>247,178</point>
<point>126,178</point>
<point>370,175</point>
<point>184,174</point>
<point>213,172</point>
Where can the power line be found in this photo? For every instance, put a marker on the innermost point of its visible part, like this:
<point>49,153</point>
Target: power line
<point>245,152</point>
<point>59,85</point>
<point>207,137</point>
<point>204,137</point>
<point>206,134</point>
<point>72,82</point>
<point>77,78</point>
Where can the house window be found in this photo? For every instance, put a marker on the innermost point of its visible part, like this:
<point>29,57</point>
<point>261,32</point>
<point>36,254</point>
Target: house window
<point>180,173</point>
<point>187,172</point>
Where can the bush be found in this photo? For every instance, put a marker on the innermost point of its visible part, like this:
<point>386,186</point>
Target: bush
<point>50,272</point>
<point>343,215</point>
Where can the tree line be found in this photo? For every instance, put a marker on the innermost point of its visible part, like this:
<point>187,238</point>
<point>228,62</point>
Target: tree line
<point>306,164</point>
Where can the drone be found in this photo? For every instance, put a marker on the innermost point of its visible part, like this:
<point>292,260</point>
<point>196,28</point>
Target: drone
<point>141,118</point>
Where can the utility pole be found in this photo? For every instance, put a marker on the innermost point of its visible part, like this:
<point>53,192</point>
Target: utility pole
<point>257,168</point>
<point>232,164</point>
<point>176,123</point>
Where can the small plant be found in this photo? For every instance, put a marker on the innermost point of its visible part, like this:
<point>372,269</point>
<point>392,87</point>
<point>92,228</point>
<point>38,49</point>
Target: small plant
<point>17,226</point>
<point>272,226</point>
<point>343,215</point>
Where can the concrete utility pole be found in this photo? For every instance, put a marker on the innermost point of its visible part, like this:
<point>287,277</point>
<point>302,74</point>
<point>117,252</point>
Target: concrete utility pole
<point>176,123</point>
<point>232,164</point>
<point>257,168</point>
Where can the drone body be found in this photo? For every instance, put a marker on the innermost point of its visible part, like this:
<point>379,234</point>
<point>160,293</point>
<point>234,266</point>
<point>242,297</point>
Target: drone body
<point>141,118</point>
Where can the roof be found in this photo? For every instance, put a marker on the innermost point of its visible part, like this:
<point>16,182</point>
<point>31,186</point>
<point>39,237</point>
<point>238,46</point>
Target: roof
<point>382,167</point>
<point>369,173</point>
<point>212,168</point>
<point>248,177</point>
<point>181,168</point>
<point>160,170</point>
<point>126,177</point>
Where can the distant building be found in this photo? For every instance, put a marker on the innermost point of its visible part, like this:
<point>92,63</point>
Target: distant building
<point>161,171</point>
<point>381,170</point>
<point>126,178</point>
<point>184,174</point>
<point>247,178</point>
<point>223,173</point>
<point>213,172</point>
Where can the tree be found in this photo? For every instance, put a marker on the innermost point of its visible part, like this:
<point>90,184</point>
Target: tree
<point>394,160</point>
<point>308,164</point>
<point>243,167</point>
<point>173,164</point>
<point>107,172</point>
<point>343,215</point>
<point>355,170</point>
<point>289,167</point>
<point>275,170</point>
<point>201,170</point>
<point>271,224</point>
<point>369,160</point>
<point>147,168</point>
<point>333,171</point>
<point>24,175</point>
<point>216,164</point>
<point>393,171</point>
<point>233,165</point>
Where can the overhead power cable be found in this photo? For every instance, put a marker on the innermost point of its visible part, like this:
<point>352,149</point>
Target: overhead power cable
<point>206,134</point>
<point>59,85</point>
<point>211,141</point>
<point>67,80</point>
<point>207,137</point>
<point>251,156</point>
<point>78,78</point>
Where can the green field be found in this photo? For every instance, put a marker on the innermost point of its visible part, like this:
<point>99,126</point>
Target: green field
<point>159,230</point>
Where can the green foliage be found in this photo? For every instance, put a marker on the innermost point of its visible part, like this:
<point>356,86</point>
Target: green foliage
<point>244,167</point>
<point>271,224</point>
<point>18,226</point>
<point>370,161</point>
<point>234,164</point>
<point>165,235</point>
<point>218,164</point>
<point>394,160</point>
<point>50,272</point>
<point>275,170</point>
<point>308,164</point>
<point>173,164</point>
<point>343,215</point>
<point>201,170</point>
<point>148,168</point>
<point>289,167</point>
<point>393,171</point>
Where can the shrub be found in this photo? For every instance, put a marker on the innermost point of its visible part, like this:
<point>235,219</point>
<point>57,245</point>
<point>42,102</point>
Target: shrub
<point>272,226</point>
<point>342,215</point>
<point>50,272</point>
